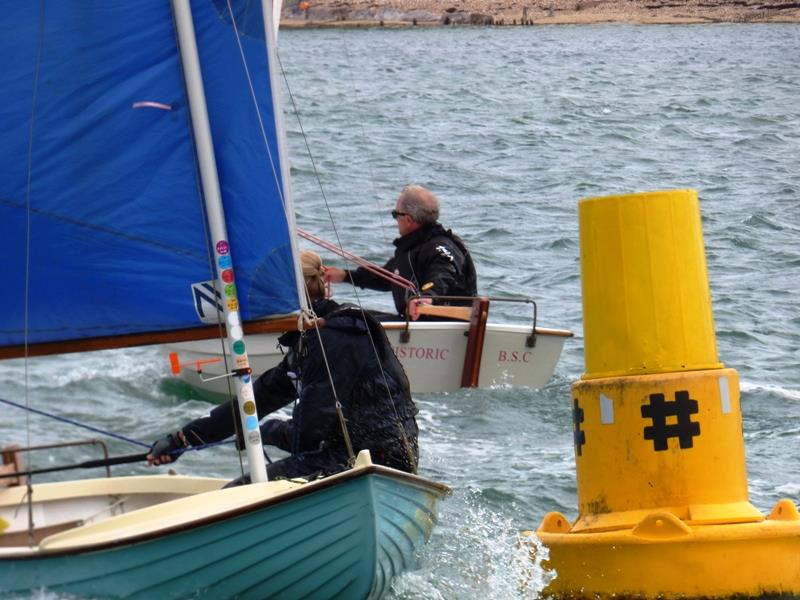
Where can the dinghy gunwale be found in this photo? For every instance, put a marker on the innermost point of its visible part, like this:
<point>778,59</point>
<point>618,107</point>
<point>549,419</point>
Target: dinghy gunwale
<point>59,542</point>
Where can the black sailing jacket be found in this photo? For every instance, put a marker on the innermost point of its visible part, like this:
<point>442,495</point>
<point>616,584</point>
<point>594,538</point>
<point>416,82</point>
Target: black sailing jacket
<point>378,419</point>
<point>434,258</point>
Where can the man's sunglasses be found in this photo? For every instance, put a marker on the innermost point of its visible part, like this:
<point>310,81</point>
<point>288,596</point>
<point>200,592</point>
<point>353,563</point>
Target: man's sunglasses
<point>396,214</point>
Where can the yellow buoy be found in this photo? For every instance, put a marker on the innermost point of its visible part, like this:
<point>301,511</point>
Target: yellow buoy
<point>662,484</point>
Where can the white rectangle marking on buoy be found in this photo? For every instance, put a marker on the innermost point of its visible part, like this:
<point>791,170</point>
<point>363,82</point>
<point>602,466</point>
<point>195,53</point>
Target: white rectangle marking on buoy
<point>724,395</point>
<point>606,409</point>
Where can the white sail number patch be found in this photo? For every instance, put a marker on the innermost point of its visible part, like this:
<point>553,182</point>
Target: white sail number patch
<point>207,302</point>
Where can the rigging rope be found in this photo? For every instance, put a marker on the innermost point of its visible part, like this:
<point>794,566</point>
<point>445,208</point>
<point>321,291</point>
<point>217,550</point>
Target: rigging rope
<point>290,216</point>
<point>386,274</point>
<point>29,166</point>
<point>340,250</point>
<point>76,423</point>
<point>28,207</point>
<point>338,405</point>
<point>109,433</point>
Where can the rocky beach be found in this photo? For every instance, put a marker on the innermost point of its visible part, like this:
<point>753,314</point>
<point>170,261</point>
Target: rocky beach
<point>410,13</point>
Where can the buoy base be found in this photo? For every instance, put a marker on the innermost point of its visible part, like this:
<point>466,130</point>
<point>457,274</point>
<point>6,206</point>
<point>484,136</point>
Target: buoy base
<point>663,557</point>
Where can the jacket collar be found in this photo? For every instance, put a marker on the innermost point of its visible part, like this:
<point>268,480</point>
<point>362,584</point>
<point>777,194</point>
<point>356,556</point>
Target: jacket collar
<point>418,236</point>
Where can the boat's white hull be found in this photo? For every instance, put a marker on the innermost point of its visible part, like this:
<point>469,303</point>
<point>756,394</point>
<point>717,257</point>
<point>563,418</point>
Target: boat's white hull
<point>433,356</point>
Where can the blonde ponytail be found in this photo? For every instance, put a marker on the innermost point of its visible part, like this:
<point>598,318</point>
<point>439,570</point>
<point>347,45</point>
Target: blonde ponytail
<point>311,262</point>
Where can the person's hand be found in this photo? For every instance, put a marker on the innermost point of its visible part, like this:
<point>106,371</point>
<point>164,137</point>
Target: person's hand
<point>166,450</point>
<point>413,306</point>
<point>333,274</point>
<point>278,433</point>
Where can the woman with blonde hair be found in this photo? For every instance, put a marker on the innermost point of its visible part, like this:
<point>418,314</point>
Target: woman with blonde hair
<point>313,274</point>
<point>349,362</point>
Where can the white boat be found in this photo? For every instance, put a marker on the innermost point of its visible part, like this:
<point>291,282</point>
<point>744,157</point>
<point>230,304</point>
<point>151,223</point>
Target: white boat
<point>438,356</point>
<point>126,126</point>
<point>435,355</point>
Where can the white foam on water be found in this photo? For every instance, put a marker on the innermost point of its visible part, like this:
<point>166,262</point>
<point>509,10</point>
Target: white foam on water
<point>789,490</point>
<point>772,389</point>
<point>480,555</point>
<point>125,364</point>
<point>504,382</point>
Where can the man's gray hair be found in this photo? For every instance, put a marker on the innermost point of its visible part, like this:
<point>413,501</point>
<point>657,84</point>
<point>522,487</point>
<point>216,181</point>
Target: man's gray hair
<point>420,203</point>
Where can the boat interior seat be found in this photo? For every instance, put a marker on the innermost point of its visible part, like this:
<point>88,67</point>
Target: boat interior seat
<point>23,538</point>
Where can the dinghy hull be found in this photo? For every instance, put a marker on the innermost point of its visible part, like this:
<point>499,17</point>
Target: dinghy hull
<point>433,357</point>
<point>346,536</point>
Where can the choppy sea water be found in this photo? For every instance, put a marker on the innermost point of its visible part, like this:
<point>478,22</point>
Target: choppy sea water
<point>511,127</point>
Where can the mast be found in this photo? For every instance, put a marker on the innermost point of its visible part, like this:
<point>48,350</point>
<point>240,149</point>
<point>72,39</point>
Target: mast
<point>219,238</point>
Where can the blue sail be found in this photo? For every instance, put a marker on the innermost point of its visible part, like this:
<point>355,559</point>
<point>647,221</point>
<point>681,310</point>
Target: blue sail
<point>101,210</point>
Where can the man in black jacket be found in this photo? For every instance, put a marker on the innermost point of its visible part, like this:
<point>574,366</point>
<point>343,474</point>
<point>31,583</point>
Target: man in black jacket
<point>432,257</point>
<point>362,374</point>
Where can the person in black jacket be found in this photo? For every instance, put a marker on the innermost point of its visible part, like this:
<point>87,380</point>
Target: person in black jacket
<point>432,257</point>
<point>362,373</point>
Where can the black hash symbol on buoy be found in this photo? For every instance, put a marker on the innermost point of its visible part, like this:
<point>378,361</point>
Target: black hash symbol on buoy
<point>578,435</point>
<point>658,410</point>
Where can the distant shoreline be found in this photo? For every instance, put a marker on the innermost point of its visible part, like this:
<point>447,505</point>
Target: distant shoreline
<point>437,13</point>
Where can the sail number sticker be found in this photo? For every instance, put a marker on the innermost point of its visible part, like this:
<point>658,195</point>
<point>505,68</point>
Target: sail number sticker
<point>207,302</point>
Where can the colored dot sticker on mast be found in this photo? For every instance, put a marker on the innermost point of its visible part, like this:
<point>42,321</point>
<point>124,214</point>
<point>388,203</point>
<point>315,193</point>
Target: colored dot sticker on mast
<point>230,290</point>
<point>223,247</point>
<point>227,275</point>
<point>225,261</point>
<point>238,347</point>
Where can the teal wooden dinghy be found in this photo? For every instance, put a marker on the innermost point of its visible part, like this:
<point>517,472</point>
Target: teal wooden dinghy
<point>142,150</point>
<point>345,536</point>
